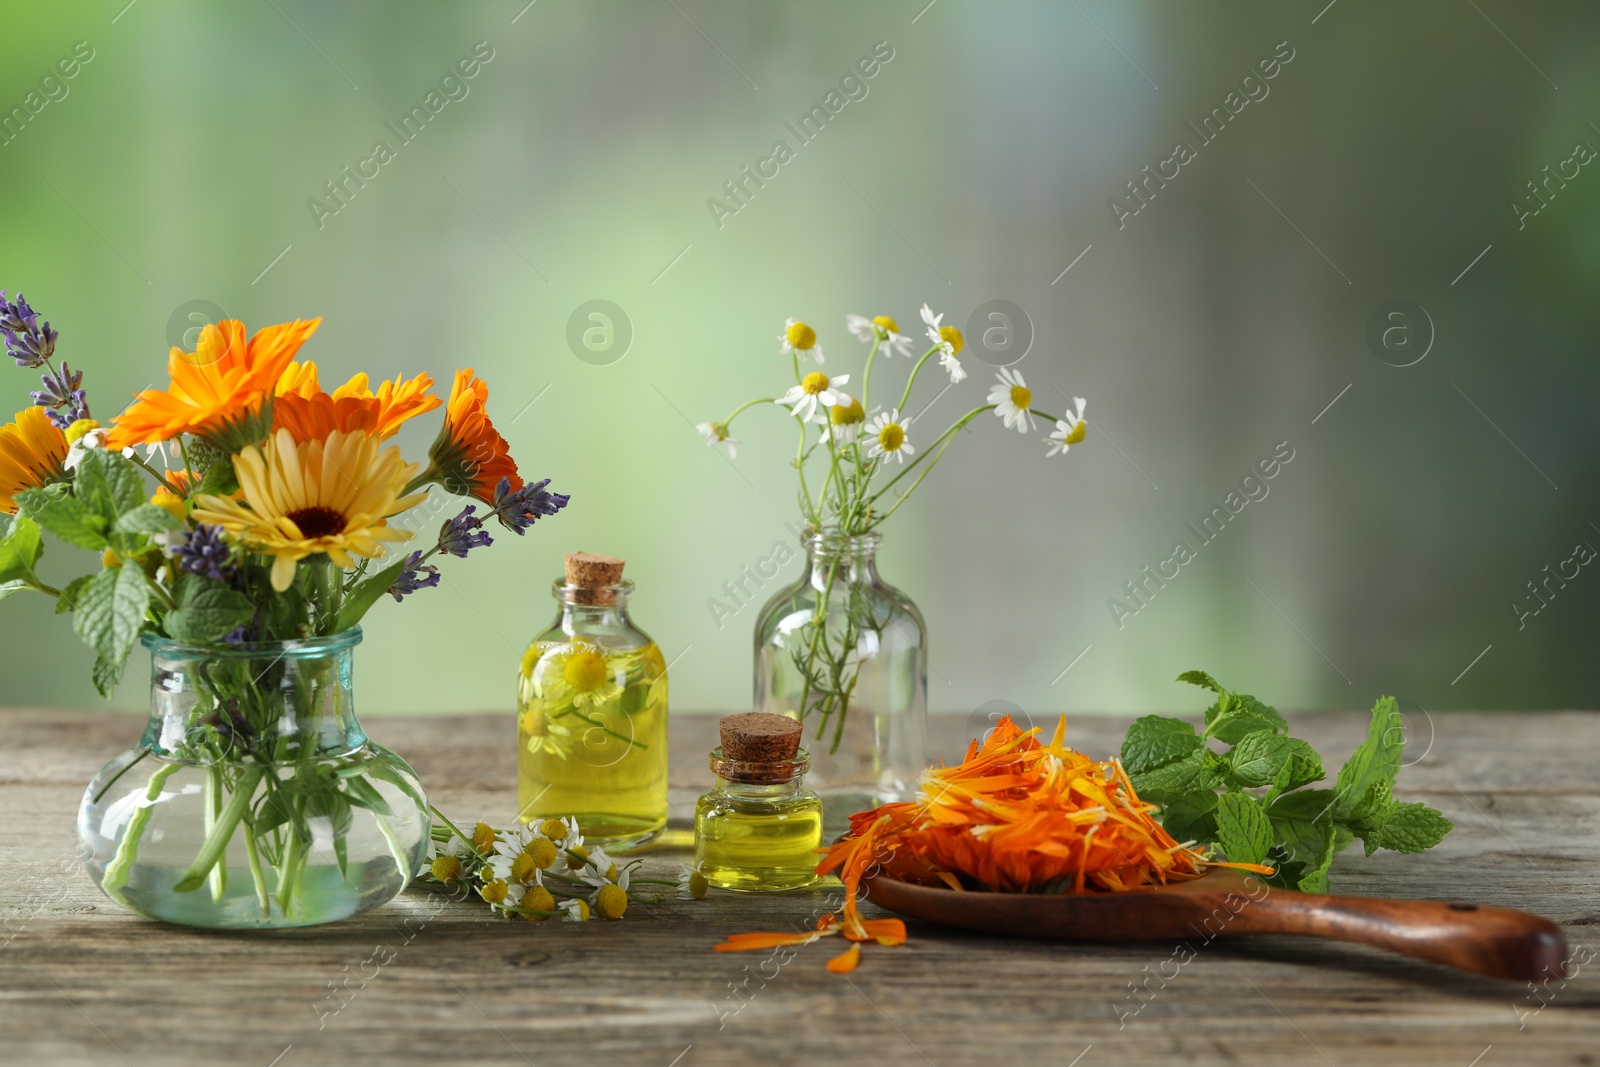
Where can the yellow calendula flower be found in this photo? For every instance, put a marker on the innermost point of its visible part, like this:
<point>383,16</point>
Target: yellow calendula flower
<point>298,500</point>
<point>32,451</point>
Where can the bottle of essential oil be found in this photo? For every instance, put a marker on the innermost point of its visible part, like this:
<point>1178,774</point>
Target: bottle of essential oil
<point>758,829</point>
<point>592,713</point>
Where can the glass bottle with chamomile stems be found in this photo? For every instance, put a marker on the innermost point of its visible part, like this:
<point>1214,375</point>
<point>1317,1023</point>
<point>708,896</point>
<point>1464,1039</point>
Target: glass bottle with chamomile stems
<point>759,828</point>
<point>592,713</point>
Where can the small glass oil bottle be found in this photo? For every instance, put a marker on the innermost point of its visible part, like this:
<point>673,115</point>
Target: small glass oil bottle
<point>592,713</point>
<point>758,829</point>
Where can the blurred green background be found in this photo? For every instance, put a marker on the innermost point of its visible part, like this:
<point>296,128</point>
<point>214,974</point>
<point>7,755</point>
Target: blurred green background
<point>173,173</point>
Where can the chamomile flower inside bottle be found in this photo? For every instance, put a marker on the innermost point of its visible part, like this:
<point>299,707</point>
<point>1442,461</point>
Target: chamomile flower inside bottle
<point>592,713</point>
<point>758,829</point>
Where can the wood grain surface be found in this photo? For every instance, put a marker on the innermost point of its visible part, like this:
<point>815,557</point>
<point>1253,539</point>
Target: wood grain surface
<point>427,981</point>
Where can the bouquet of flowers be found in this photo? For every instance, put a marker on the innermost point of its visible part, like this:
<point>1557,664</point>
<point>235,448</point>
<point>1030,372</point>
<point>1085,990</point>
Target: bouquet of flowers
<point>241,508</point>
<point>864,454</point>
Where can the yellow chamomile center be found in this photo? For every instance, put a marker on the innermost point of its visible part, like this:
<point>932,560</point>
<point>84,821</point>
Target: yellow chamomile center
<point>554,829</point>
<point>1021,397</point>
<point>576,855</point>
<point>847,414</point>
<point>585,670</point>
<point>1078,433</point>
<point>80,427</point>
<point>483,838</point>
<point>801,336</point>
<point>446,868</point>
<point>494,892</point>
<point>542,851</point>
<point>538,898</point>
<point>884,322</point>
<point>953,338</point>
<point>891,437</point>
<point>610,901</point>
<point>524,868</point>
<point>814,383</point>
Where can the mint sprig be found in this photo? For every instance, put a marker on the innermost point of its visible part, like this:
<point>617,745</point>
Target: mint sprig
<point>1249,800</point>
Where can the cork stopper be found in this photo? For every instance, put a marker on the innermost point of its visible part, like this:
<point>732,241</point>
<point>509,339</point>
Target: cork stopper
<point>760,737</point>
<point>592,575</point>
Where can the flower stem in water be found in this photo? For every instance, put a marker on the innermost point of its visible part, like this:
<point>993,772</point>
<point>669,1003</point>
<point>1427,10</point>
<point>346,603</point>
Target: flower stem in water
<point>121,864</point>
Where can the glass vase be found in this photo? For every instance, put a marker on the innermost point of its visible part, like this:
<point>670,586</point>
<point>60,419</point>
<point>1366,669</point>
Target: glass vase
<point>845,652</point>
<point>592,720</point>
<point>254,798</point>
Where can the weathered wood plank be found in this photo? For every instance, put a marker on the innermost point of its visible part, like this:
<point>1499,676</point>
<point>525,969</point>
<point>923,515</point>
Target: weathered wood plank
<point>424,979</point>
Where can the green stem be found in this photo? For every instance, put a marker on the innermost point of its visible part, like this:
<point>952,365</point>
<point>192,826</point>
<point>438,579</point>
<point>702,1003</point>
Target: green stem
<point>216,842</point>
<point>395,848</point>
<point>117,777</point>
<point>263,895</point>
<point>905,397</point>
<point>218,878</point>
<point>943,441</point>
<point>866,376</point>
<point>121,865</point>
<point>294,853</point>
<point>465,840</point>
<point>744,407</point>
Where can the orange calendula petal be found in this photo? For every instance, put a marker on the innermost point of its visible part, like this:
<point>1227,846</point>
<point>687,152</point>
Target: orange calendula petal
<point>747,942</point>
<point>846,961</point>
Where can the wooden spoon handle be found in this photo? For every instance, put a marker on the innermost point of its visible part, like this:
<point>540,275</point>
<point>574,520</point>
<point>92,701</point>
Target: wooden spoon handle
<point>1495,941</point>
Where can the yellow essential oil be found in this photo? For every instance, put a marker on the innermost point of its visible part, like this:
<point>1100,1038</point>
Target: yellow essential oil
<point>759,828</point>
<point>592,717</point>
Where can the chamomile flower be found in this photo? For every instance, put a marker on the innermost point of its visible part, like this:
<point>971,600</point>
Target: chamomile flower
<point>610,901</point>
<point>445,863</point>
<point>798,339</point>
<point>1011,398</point>
<point>716,433</point>
<point>888,434</point>
<point>879,328</point>
<point>1070,429</point>
<point>577,910</point>
<point>577,672</point>
<point>949,341</point>
<point>599,869</point>
<point>545,734</point>
<point>814,389</point>
<point>564,832</point>
<point>691,883</point>
<point>844,421</point>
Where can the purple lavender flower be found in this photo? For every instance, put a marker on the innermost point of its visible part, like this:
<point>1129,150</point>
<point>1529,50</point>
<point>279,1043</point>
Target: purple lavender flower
<point>204,551</point>
<point>463,533</point>
<point>26,342</point>
<point>521,509</point>
<point>237,636</point>
<point>62,389</point>
<point>416,575</point>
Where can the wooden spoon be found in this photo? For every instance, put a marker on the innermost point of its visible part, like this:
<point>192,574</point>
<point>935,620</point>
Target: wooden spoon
<point>1227,903</point>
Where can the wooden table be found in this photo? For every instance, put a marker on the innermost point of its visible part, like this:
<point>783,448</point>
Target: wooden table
<point>85,982</point>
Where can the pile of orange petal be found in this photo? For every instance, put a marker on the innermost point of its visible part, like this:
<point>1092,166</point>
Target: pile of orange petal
<point>1015,816</point>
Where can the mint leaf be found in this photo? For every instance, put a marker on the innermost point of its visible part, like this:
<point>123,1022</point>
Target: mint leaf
<point>1411,828</point>
<point>1305,766</point>
<point>1258,758</point>
<point>1242,715</point>
<point>64,516</point>
<point>108,483</point>
<point>1154,740</point>
<point>1306,804</point>
<point>1200,770</point>
<point>207,611</point>
<point>148,519</point>
<point>1202,679</point>
<point>1376,760</point>
<point>12,587</point>
<point>108,616</point>
<point>1191,817</point>
<point>1243,830</point>
<point>69,595</point>
<point>363,596</point>
<point>20,548</point>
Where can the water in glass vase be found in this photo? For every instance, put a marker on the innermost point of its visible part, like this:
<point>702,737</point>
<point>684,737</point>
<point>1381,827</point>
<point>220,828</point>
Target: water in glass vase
<point>592,713</point>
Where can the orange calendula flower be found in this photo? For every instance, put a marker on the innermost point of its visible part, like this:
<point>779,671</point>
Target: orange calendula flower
<point>222,391</point>
<point>298,500</point>
<point>32,451</point>
<point>1015,816</point>
<point>469,457</point>
<point>309,414</point>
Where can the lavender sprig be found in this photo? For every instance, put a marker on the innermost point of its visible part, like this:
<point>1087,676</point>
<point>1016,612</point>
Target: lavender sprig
<point>520,509</point>
<point>62,389</point>
<point>26,342</point>
<point>416,575</point>
<point>460,535</point>
<point>204,551</point>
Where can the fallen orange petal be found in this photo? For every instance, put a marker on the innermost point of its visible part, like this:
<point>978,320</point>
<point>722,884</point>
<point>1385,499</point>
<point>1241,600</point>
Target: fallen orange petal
<point>846,961</point>
<point>748,942</point>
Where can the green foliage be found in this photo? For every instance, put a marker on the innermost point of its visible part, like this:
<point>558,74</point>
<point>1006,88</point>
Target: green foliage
<point>108,615</point>
<point>64,516</point>
<point>1207,796</point>
<point>366,593</point>
<point>206,611</point>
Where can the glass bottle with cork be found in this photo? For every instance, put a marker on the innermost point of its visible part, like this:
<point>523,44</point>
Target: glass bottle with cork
<point>758,829</point>
<point>592,713</point>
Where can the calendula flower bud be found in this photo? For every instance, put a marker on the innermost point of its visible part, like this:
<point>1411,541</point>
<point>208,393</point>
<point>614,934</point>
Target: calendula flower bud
<point>610,901</point>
